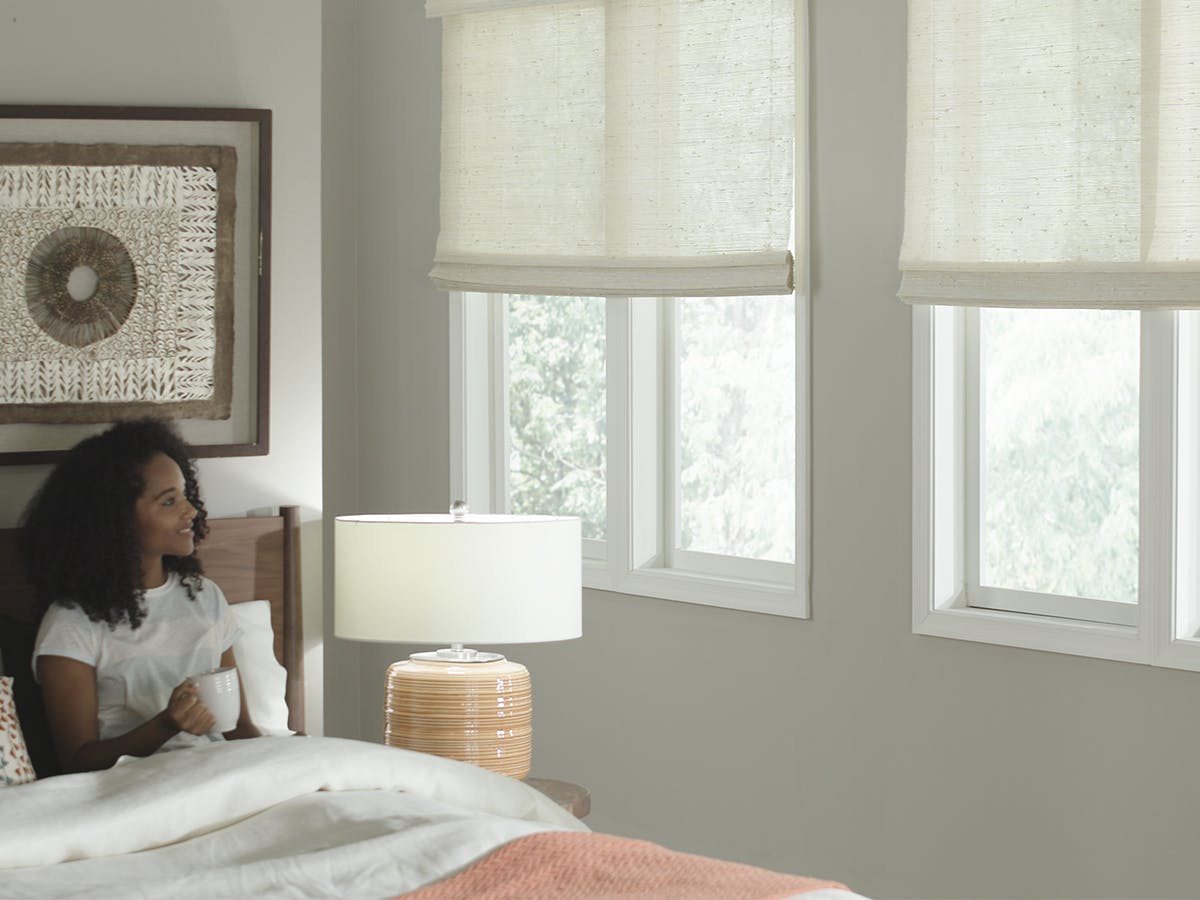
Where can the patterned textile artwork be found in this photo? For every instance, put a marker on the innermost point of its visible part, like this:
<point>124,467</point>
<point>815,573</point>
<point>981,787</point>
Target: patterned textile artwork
<point>116,281</point>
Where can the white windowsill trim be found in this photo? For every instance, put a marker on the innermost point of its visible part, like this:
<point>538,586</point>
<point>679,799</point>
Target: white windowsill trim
<point>704,590</point>
<point>1029,632</point>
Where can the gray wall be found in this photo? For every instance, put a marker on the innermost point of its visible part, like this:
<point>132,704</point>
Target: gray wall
<point>843,746</point>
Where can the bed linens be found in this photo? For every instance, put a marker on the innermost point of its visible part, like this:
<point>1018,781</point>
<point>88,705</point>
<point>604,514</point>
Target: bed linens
<point>274,816</point>
<point>305,817</point>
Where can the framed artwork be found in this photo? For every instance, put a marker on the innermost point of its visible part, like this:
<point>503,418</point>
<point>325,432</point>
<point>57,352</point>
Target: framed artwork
<point>134,275</point>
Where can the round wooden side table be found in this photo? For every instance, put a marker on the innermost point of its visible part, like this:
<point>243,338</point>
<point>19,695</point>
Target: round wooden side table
<point>574,798</point>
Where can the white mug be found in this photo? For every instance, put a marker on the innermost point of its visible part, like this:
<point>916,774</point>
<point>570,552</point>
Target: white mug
<point>218,690</point>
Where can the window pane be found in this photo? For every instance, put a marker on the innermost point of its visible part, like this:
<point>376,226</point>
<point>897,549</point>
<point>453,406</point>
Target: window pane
<point>1059,487</point>
<point>736,493</point>
<point>556,408</point>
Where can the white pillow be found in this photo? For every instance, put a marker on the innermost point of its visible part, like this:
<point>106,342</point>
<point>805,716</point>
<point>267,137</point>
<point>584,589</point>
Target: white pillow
<point>264,679</point>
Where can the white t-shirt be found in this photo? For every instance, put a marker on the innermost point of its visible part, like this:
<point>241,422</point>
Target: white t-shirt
<point>136,669</point>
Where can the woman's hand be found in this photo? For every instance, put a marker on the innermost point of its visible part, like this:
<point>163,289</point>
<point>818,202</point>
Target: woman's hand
<point>186,711</point>
<point>69,688</point>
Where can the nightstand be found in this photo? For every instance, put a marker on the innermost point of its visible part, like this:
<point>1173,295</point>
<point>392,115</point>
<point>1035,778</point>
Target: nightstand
<point>574,798</point>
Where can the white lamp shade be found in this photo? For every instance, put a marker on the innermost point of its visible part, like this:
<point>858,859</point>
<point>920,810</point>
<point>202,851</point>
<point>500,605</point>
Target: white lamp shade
<point>434,579</point>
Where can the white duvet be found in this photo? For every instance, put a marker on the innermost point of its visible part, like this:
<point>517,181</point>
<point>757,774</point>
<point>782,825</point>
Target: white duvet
<point>271,817</point>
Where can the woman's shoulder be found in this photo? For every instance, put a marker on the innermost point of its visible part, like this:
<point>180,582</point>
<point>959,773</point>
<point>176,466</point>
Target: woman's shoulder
<point>206,591</point>
<point>198,579</point>
<point>208,586</point>
<point>181,581</point>
<point>61,621</point>
<point>64,611</point>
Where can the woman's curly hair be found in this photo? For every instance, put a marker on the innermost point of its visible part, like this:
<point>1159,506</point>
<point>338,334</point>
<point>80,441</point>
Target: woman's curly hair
<point>79,533</point>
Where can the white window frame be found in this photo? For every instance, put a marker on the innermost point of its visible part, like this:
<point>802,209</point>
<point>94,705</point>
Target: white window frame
<point>636,557</point>
<point>1163,629</point>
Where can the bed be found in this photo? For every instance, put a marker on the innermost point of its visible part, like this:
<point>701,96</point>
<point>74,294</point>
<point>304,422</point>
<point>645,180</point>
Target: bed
<point>294,815</point>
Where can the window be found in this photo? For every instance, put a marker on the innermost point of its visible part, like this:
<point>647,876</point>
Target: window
<point>1055,480</point>
<point>1052,262</point>
<point>618,217</point>
<point>669,426</point>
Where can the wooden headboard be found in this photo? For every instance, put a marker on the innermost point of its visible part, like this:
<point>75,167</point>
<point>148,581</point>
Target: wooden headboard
<point>255,558</point>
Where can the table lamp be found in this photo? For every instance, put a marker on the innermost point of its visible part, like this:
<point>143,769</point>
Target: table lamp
<point>457,579</point>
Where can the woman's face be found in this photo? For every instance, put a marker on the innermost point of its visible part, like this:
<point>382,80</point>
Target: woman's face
<point>162,513</point>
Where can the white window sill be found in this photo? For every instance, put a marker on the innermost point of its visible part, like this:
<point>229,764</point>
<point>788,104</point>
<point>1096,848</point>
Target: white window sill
<point>706,590</point>
<point>1122,643</point>
<point>1030,632</point>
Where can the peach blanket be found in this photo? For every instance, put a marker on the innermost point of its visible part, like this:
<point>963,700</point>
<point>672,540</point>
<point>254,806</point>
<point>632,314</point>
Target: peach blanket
<point>577,865</point>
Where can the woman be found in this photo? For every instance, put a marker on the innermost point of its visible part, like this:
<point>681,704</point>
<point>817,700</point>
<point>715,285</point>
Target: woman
<point>110,542</point>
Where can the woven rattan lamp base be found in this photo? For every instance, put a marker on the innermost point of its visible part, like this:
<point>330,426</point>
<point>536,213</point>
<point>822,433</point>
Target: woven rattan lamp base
<point>478,712</point>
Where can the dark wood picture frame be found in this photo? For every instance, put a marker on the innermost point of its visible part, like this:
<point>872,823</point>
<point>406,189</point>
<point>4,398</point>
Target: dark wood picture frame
<point>247,432</point>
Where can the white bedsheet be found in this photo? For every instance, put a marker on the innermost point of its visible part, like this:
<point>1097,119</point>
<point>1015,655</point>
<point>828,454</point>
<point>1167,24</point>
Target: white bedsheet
<point>272,817</point>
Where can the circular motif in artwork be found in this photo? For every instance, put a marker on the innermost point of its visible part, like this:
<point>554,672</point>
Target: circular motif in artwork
<point>80,285</point>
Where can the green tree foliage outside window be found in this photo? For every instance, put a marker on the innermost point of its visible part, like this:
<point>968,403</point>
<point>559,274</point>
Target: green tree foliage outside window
<point>1060,475</point>
<point>737,426</point>
<point>556,408</point>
